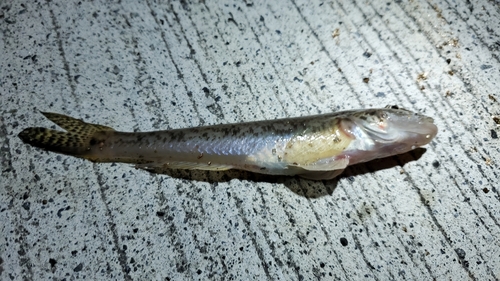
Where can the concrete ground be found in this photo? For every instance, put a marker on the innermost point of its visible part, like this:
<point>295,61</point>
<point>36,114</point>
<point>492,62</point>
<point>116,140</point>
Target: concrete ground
<point>149,65</point>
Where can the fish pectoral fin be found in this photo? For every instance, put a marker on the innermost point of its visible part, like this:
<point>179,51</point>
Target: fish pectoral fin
<point>321,175</point>
<point>324,165</point>
<point>207,166</point>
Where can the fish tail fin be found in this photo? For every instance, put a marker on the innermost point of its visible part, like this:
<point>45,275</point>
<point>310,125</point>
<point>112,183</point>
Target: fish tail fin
<point>77,141</point>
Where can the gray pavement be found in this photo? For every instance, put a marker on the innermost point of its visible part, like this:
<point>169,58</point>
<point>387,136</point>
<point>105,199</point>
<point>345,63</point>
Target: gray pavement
<point>149,65</point>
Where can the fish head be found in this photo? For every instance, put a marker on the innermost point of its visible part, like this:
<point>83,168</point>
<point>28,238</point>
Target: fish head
<point>391,130</point>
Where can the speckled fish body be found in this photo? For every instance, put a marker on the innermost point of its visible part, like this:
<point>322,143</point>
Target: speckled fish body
<point>316,147</point>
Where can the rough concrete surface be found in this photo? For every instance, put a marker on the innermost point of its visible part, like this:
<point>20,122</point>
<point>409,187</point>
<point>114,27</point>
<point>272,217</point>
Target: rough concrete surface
<point>147,65</point>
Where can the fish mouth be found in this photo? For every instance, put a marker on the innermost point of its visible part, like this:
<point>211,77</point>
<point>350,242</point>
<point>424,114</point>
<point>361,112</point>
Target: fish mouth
<point>415,133</point>
<point>422,131</point>
<point>401,127</point>
<point>422,135</point>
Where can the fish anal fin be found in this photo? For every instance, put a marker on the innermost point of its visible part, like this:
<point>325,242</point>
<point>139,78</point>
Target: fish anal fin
<point>321,175</point>
<point>325,165</point>
<point>207,166</point>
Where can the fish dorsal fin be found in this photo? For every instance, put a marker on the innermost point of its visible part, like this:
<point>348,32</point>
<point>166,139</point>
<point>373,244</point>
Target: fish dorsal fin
<point>74,125</point>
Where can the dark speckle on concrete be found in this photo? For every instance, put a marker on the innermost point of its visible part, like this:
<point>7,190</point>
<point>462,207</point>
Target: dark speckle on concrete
<point>494,134</point>
<point>343,241</point>
<point>460,252</point>
<point>116,70</point>
<point>436,164</point>
<point>78,268</point>
<point>486,66</point>
<point>59,212</point>
<point>181,267</point>
<point>26,206</point>
<point>53,263</point>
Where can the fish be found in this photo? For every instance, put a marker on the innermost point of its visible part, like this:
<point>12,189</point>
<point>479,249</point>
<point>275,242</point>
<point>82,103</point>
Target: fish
<point>317,147</point>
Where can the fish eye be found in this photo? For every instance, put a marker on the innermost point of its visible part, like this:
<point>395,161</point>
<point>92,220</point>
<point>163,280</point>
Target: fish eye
<point>382,122</point>
<point>396,107</point>
<point>392,106</point>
